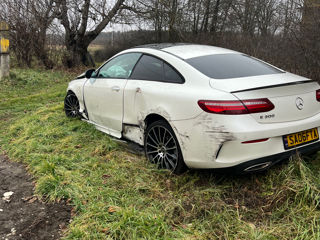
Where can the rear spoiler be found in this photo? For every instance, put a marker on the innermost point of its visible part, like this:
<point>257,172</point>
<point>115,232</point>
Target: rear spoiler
<point>276,85</point>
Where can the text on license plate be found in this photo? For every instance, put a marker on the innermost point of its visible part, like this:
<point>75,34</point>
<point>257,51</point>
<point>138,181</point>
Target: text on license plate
<point>300,138</point>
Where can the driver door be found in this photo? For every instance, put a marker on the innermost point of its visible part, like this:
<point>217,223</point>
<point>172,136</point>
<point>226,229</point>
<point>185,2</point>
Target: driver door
<point>104,91</point>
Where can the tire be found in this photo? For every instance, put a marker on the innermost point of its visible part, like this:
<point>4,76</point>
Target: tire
<point>162,147</point>
<point>71,105</point>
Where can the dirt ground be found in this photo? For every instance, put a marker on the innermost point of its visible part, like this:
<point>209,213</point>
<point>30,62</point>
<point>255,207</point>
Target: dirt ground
<point>23,216</point>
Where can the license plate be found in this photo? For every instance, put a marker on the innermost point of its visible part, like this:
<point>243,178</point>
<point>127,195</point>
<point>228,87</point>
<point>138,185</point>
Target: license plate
<point>300,138</point>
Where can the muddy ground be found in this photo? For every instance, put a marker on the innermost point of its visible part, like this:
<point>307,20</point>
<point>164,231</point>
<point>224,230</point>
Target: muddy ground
<point>23,216</point>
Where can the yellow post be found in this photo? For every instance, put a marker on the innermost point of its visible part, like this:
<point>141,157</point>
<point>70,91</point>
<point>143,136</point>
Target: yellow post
<point>4,50</point>
<point>4,43</point>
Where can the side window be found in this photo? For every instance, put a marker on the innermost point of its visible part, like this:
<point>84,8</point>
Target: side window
<point>119,67</point>
<point>153,69</point>
<point>171,75</point>
<point>148,68</point>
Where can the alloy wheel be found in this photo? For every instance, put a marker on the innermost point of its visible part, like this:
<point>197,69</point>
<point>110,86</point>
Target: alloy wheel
<point>162,148</point>
<point>71,106</point>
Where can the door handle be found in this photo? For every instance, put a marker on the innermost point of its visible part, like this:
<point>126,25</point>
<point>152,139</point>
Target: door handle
<point>115,88</point>
<point>138,90</point>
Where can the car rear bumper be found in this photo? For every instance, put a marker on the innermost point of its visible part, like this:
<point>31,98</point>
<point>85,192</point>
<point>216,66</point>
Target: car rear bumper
<point>264,163</point>
<point>210,141</point>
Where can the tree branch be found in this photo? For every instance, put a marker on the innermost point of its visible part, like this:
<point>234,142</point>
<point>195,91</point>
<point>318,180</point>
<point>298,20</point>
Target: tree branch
<point>84,19</point>
<point>94,33</point>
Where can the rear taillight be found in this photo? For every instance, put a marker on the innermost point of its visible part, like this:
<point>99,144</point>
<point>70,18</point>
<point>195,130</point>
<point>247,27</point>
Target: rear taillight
<point>258,105</point>
<point>318,95</point>
<point>236,107</point>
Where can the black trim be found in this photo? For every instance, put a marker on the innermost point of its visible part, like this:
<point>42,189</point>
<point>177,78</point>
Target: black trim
<point>131,125</point>
<point>273,86</point>
<point>160,46</point>
<point>217,154</point>
<point>134,67</point>
<point>273,159</point>
<point>84,102</point>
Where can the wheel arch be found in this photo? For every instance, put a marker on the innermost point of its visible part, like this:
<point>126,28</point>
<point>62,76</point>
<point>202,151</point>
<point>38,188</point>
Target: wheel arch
<point>153,117</point>
<point>69,91</point>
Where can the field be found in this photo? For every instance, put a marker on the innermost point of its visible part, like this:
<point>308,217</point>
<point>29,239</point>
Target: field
<point>116,194</point>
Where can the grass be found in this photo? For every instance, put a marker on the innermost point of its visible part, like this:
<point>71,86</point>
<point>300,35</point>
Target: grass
<point>118,195</point>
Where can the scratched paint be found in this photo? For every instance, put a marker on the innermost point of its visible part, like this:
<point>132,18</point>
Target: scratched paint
<point>217,134</point>
<point>133,133</point>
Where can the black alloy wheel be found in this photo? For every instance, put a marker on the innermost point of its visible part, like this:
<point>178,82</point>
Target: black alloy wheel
<point>71,105</point>
<point>162,147</point>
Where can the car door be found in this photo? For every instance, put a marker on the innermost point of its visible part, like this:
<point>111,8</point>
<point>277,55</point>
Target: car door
<point>103,93</point>
<point>151,85</point>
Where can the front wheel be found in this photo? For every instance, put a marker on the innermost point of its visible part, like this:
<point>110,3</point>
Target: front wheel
<point>71,105</point>
<point>162,147</point>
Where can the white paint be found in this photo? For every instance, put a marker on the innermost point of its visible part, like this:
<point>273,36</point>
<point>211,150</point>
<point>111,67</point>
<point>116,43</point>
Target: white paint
<point>202,134</point>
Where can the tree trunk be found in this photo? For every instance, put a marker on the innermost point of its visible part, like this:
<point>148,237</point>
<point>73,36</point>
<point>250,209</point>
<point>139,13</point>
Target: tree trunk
<point>172,20</point>
<point>205,20</point>
<point>77,54</point>
<point>77,51</point>
<point>77,40</point>
<point>214,21</point>
<point>40,48</point>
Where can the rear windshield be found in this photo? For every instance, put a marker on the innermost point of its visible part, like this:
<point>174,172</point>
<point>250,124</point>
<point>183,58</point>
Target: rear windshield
<point>222,66</point>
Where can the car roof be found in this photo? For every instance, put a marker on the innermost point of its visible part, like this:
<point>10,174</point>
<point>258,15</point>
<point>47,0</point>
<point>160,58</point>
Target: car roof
<point>187,50</point>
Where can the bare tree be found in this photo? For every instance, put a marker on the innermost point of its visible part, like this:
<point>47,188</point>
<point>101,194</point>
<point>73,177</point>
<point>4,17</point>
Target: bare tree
<point>266,16</point>
<point>29,21</point>
<point>83,21</point>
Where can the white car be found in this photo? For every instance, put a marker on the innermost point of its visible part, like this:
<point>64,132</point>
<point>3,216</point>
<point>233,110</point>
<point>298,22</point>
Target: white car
<point>200,106</point>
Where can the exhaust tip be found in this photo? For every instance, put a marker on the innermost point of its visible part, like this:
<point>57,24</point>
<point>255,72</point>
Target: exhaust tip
<point>258,167</point>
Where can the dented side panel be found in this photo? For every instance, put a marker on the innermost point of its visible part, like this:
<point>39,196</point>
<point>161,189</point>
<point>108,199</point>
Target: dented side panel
<point>173,102</point>
<point>133,133</point>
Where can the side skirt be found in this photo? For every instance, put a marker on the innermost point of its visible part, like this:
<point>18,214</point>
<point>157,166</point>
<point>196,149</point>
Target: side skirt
<point>108,131</point>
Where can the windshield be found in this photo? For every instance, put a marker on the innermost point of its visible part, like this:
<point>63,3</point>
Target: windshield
<point>223,66</point>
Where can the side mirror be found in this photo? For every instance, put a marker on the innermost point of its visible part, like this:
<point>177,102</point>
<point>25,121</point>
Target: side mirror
<point>89,73</point>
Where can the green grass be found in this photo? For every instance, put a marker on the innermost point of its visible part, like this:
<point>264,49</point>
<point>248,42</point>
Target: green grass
<point>119,195</point>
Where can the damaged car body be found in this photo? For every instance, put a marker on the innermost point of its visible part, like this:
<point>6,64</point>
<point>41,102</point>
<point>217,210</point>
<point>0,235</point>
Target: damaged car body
<point>200,106</point>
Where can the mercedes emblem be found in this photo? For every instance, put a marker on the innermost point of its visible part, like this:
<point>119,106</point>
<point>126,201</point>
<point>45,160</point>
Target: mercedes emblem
<point>299,103</point>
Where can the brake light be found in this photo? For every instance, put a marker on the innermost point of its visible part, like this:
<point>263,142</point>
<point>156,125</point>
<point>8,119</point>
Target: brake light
<point>318,95</point>
<point>236,107</point>
<point>258,105</point>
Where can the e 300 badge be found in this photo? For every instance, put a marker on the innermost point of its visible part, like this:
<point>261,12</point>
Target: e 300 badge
<point>267,116</point>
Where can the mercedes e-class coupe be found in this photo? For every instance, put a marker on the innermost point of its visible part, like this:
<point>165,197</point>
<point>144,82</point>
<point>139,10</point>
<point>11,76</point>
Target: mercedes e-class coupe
<point>200,106</point>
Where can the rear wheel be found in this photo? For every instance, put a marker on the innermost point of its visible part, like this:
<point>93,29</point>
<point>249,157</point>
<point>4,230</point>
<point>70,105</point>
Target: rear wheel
<point>162,147</point>
<point>71,105</point>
